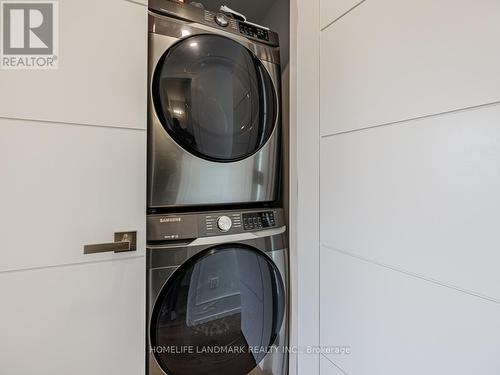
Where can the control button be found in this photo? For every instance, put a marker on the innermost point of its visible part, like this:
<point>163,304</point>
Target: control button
<point>221,20</point>
<point>224,223</point>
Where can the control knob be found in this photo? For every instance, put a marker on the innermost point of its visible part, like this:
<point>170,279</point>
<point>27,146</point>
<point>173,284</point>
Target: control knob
<point>221,19</point>
<point>224,223</point>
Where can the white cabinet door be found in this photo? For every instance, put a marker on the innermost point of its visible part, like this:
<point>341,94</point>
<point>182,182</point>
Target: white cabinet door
<point>80,319</point>
<point>101,78</point>
<point>394,60</point>
<point>386,317</point>
<point>422,197</point>
<point>73,172</point>
<point>65,186</point>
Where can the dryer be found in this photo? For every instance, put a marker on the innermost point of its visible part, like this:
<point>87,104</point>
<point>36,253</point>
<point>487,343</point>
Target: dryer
<point>217,293</point>
<point>214,109</point>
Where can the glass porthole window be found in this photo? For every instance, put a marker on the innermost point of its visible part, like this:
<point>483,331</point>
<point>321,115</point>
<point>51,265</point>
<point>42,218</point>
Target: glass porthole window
<point>215,98</point>
<point>218,313</point>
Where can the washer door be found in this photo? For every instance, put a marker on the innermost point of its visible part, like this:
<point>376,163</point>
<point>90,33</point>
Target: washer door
<point>215,98</point>
<point>218,313</point>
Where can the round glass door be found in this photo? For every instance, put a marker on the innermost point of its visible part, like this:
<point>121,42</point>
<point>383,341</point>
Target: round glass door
<point>214,98</point>
<point>219,313</point>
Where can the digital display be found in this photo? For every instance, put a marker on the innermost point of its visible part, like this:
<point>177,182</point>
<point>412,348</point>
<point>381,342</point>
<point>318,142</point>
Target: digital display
<point>258,220</point>
<point>254,32</point>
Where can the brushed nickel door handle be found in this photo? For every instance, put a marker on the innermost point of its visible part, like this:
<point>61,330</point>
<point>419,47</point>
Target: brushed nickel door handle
<point>123,242</point>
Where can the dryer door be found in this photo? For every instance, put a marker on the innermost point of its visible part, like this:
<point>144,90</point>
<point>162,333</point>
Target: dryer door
<point>215,98</point>
<point>219,313</point>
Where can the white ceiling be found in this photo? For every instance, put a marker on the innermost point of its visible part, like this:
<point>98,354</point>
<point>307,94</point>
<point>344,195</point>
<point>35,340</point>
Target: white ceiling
<point>254,10</point>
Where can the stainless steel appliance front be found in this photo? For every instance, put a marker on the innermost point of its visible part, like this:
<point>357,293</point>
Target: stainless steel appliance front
<point>217,304</point>
<point>214,114</point>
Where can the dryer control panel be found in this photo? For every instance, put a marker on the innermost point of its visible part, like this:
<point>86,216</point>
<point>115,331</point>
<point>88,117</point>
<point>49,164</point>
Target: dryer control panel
<point>254,31</point>
<point>217,19</point>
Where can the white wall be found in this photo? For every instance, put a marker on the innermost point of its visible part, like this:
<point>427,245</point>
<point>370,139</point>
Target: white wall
<point>72,171</point>
<point>409,192</point>
<point>304,181</point>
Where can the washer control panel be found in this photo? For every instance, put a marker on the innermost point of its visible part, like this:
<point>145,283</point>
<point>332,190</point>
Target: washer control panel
<point>258,220</point>
<point>188,226</point>
<point>224,223</point>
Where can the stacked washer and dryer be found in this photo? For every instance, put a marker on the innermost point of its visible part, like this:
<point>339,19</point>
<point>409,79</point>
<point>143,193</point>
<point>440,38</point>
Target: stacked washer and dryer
<point>217,257</point>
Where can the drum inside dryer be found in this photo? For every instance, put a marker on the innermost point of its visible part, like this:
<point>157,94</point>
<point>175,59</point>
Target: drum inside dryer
<point>215,98</point>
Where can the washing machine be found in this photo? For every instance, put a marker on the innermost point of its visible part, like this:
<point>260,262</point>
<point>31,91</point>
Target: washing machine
<point>217,293</point>
<point>214,109</point>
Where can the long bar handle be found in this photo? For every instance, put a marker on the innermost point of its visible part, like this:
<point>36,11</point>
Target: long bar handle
<point>124,241</point>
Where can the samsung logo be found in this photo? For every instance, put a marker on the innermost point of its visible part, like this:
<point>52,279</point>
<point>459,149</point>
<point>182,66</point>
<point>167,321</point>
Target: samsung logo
<point>170,220</point>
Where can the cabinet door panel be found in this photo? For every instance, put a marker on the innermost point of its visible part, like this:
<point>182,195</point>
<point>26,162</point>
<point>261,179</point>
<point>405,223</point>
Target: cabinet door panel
<point>79,319</point>
<point>101,78</point>
<point>423,197</point>
<point>64,186</point>
<point>393,60</point>
<point>388,318</point>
